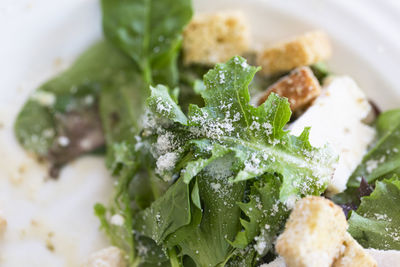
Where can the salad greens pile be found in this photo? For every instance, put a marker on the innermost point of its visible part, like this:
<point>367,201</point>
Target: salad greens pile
<point>202,177</point>
<point>375,219</point>
<point>376,223</point>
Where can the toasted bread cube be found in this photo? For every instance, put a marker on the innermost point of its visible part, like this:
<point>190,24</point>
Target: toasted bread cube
<point>313,234</point>
<point>302,50</point>
<point>215,38</point>
<point>353,255</point>
<point>107,257</point>
<point>3,226</point>
<point>300,87</point>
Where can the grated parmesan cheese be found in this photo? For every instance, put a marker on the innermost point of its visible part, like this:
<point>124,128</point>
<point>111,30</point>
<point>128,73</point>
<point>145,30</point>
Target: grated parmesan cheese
<point>117,219</point>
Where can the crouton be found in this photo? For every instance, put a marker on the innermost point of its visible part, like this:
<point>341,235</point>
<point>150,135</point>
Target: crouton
<point>302,50</point>
<point>107,257</point>
<point>3,226</point>
<point>300,87</point>
<point>313,234</point>
<point>353,255</point>
<point>215,38</point>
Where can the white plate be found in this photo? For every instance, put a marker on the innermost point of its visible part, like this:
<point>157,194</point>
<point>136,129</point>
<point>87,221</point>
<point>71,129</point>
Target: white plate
<point>40,38</point>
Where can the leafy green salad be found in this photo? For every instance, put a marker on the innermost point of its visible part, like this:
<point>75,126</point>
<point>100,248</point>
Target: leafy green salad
<point>202,176</point>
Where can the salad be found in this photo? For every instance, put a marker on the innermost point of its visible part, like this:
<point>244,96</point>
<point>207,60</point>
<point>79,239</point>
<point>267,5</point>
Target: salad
<point>220,152</point>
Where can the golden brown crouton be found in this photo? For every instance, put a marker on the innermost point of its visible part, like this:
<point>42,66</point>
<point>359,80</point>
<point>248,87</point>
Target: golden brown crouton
<point>300,87</point>
<point>302,50</point>
<point>353,255</point>
<point>215,38</point>
<point>313,234</point>
<point>108,257</point>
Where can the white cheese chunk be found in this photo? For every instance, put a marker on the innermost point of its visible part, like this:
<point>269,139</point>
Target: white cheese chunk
<point>336,118</point>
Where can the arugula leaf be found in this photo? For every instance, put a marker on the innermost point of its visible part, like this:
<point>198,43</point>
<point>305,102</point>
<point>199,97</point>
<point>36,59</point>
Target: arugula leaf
<point>224,144</point>
<point>149,32</point>
<point>256,135</point>
<point>383,160</point>
<point>267,215</point>
<point>205,239</point>
<point>150,253</point>
<point>67,106</point>
<point>166,214</point>
<point>190,84</point>
<point>376,223</point>
<point>387,122</point>
<point>320,70</point>
<point>165,105</point>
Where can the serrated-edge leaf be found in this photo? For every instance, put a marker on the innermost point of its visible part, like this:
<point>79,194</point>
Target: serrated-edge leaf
<point>162,104</point>
<point>376,223</point>
<point>194,167</point>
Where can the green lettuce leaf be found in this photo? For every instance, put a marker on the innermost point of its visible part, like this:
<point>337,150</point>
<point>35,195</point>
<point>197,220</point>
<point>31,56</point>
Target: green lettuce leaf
<point>206,238</point>
<point>67,105</point>
<point>166,214</point>
<point>267,215</point>
<point>165,105</point>
<point>376,223</point>
<point>255,135</point>
<point>383,160</point>
<point>149,32</point>
<point>224,146</point>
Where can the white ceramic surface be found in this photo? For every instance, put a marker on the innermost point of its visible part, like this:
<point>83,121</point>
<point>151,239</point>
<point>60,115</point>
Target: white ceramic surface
<point>39,38</point>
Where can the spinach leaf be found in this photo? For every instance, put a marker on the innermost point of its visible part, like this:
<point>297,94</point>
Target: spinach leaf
<point>66,106</point>
<point>387,122</point>
<point>148,31</point>
<point>376,223</point>
<point>383,160</point>
<point>206,238</point>
<point>166,214</point>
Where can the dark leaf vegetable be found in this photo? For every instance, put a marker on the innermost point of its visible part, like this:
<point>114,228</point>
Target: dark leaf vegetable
<point>149,32</point>
<point>376,223</point>
<point>202,177</point>
<point>223,148</point>
<point>69,102</point>
<point>383,160</point>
